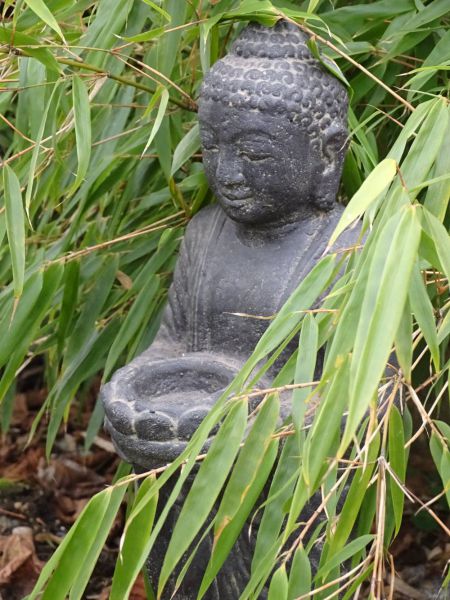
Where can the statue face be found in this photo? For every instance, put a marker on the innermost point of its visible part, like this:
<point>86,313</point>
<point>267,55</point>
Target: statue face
<point>261,167</point>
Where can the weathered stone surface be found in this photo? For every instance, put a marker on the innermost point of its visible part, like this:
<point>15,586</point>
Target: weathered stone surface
<point>273,131</point>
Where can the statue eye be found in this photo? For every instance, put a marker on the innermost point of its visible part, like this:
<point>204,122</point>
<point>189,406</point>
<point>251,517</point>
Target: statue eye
<point>254,155</point>
<point>210,146</point>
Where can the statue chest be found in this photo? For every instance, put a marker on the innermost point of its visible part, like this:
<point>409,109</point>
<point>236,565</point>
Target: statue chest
<point>238,286</point>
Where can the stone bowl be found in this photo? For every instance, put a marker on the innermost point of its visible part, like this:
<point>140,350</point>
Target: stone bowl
<point>153,408</point>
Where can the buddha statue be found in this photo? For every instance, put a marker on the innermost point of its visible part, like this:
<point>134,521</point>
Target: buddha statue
<point>273,127</point>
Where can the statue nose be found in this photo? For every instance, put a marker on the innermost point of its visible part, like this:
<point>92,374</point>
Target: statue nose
<point>229,171</point>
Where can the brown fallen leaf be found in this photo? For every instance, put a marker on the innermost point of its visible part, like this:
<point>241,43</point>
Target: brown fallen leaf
<point>138,590</point>
<point>18,556</point>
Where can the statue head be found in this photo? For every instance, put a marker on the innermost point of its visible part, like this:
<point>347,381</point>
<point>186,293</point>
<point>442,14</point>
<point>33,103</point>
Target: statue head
<point>273,126</point>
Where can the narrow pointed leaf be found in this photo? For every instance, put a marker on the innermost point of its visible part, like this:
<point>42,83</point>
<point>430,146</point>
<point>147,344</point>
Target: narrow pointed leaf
<point>397,460</point>
<point>383,307</point>
<point>15,227</point>
<point>82,117</point>
<point>41,9</point>
<point>278,589</point>
<point>132,554</point>
<point>375,184</point>
<point>206,487</point>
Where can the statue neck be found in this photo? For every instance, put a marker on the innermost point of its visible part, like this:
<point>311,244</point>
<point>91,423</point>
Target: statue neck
<point>258,234</point>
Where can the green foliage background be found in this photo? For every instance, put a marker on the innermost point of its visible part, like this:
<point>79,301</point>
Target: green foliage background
<point>101,171</point>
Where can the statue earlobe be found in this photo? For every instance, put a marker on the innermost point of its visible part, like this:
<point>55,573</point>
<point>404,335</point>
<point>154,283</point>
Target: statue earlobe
<point>333,148</point>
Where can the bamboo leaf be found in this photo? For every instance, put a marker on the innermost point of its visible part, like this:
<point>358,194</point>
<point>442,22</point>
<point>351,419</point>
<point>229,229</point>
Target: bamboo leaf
<point>354,499</point>
<point>137,314</point>
<point>299,575</point>
<point>347,552</point>
<point>206,487</point>
<point>382,310</point>
<point>233,528</point>
<point>248,463</point>
<point>82,118</point>
<point>397,460</point>
<point>84,575</point>
<point>186,148</point>
<point>159,118</point>
<point>35,155</point>
<point>441,458</point>
<point>281,488</point>
<point>305,367</point>
<point>15,227</point>
<point>278,589</point>
<point>404,342</point>
<point>437,232</point>
<point>423,311</point>
<point>375,184</point>
<point>71,553</point>
<point>43,12</point>
<point>132,553</point>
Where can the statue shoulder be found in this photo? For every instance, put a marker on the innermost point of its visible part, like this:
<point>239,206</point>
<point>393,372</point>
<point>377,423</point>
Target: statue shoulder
<point>203,221</point>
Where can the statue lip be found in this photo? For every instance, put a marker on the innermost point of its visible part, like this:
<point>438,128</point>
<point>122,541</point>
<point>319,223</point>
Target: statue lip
<point>236,198</point>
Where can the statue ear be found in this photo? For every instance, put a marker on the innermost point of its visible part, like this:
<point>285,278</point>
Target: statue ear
<point>333,147</point>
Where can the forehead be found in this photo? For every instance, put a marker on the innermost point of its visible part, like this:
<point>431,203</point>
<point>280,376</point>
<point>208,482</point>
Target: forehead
<point>228,122</point>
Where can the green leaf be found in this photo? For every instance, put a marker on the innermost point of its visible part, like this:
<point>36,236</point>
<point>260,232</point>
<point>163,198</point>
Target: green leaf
<point>91,556</point>
<point>15,227</point>
<point>69,300</point>
<point>30,47</point>
<point>35,155</point>
<point>132,551</point>
<point>137,314</point>
<point>71,553</point>
<point>248,463</point>
<point>159,10</point>
<point>437,232</point>
<point>85,326</point>
<point>299,575</point>
<point>375,184</point>
<point>438,194</point>
<point>305,367</point>
<point>397,461</point>
<point>426,146</point>
<point>82,118</point>
<point>189,144</point>
<point>382,310</point>
<point>278,589</point>
<point>347,552</point>
<point>424,313</point>
<point>159,117</point>
<point>206,487</point>
<point>232,530</point>
<point>354,499</point>
<point>323,434</point>
<point>42,11</point>
<point>281,488</point>
<point>404,342</point>
<point>441,458</point>
<point>146,36</point>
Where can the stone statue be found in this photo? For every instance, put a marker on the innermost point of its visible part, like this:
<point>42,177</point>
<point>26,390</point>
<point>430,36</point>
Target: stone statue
<point>273,126</point>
